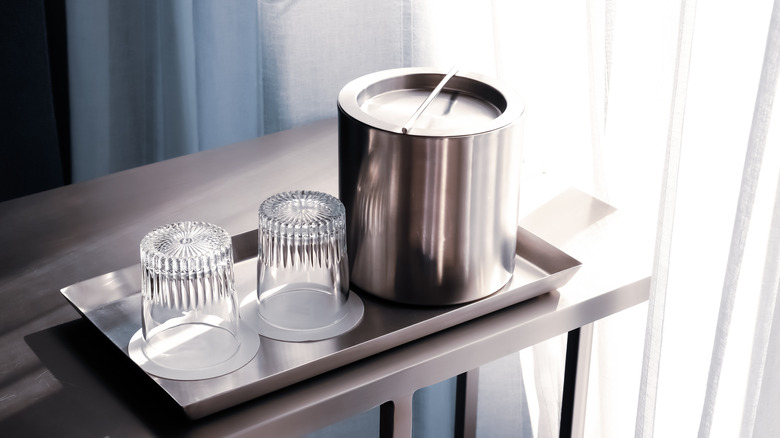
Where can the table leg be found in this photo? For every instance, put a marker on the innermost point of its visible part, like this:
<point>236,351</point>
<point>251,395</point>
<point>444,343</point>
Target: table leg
<point>575,381</point>
<point>467,387</point>
<point>395,418</point>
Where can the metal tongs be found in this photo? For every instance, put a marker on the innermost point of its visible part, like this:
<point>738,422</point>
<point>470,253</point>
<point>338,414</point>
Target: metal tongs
<point>408,125</point>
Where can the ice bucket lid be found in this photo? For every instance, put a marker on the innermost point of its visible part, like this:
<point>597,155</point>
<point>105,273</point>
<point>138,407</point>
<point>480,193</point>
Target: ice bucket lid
<point>468,104</point>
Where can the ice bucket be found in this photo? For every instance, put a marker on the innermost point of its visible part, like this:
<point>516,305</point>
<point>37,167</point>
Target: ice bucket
<point>431,197</point>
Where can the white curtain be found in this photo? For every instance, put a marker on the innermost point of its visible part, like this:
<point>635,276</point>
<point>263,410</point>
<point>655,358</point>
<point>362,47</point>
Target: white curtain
<point>663,109</point>
<point>666,104</point>
<point>710,363</point>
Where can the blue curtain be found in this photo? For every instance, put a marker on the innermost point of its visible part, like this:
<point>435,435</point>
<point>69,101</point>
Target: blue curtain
<point>152,80</point>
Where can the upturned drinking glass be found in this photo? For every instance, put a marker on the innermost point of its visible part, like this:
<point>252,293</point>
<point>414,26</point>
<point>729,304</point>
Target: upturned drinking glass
<point>303,277</point>
<point>190,315</point>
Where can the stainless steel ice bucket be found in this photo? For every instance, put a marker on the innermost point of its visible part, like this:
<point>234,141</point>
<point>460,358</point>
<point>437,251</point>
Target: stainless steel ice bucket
<point>432,210</point>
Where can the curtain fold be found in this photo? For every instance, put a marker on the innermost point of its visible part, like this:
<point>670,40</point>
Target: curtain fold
<point>154,80</point>
<point>660,279</point>
<point>761,398</point>
<point>756,144</point>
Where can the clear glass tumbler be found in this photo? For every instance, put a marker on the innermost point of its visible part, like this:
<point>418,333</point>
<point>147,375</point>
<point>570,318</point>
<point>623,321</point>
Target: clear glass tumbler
<point>189,314</point>
<point>303,275</point>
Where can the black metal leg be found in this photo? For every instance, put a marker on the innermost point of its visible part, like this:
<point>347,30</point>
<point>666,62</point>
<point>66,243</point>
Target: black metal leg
<point>569,383</point>
<point>467,387</point>
<point>575,381</point>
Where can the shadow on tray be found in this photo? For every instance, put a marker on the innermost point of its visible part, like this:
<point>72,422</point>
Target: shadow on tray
<point>103,393</point>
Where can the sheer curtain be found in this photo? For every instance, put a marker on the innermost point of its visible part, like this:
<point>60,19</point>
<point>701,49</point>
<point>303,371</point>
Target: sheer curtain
<point>695,82</point>
<point>710,364</point>
<point>666,111</point>
<point>663,109</point>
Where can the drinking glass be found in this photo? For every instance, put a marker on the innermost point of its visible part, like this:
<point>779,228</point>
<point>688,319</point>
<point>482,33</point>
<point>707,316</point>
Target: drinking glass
<point>303,277</point>
<point>189,306</point>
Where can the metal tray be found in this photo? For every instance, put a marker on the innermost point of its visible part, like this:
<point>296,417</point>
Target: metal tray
<point>112,302</point>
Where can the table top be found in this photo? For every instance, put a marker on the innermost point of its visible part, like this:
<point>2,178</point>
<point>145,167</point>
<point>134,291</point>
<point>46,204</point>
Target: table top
<point>59,375</point>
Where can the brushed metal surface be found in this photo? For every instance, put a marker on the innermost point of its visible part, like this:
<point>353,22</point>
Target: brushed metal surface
<point>431,215</point>
<point>112,303</point>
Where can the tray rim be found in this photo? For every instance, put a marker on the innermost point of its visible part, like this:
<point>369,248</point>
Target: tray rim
<point>559,266</point>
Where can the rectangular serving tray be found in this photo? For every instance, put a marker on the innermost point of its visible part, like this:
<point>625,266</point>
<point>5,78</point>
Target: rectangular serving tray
<point>112,302</point>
